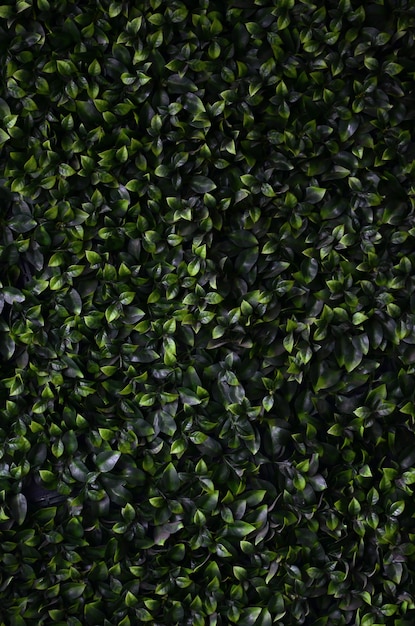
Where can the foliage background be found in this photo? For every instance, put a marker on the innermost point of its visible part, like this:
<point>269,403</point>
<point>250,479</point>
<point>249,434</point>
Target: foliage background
<point>207,346</point>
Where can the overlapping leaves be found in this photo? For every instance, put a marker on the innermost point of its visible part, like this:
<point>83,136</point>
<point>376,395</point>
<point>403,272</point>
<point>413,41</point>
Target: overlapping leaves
<point>206,312</point>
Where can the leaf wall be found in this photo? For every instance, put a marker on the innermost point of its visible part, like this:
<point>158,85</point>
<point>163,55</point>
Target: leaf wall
<point>207,312</point>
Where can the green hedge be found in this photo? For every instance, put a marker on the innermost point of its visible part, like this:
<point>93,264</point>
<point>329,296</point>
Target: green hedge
<point>207,312</point>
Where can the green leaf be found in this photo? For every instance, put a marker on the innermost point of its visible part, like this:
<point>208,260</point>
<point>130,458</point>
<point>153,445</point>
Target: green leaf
<point>93,613</point>
<point>94,68</point>
<point>354,506</point>
<point>243,238</point>
<point>309,269</point>
<point>3,135</point>
<point>73,590</point>
<point>318,482</point>
<point>57,448</point>
<point>315,194</point>
<point>7,346</point>
<point>170,478</point>
<point>64,67</point>
<point>397,508</point>
<point>167,424</point>
<point>30,165</point>
<point>130,599</point>
<point>327,376</point>
<point>239,529</point>
<point>389,609</point>
<point>18,506</point>
<point>163,171</point>
<point>222,551</point>
<point>106,460</point>
<point>78,470</point>
<point>179,84</point>
<point>250,616</point>
<point>47,476</point>
<point>188,396</point>
<point>193,267</point>
<point>7,11</point>
<point>66,170</point>
<point>12,295</point>
<point>409,477</point>
<point>128,512</point>
<point>113,312</point>
<point>169,346</point>
<point>392,68</point>
<point>202,184</point>
<point>359,318</point>
<point>22,223</point>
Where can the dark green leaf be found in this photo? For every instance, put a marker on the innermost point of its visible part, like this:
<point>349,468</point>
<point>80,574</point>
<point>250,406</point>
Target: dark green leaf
<point>106,460</point>
<point>202,184</point>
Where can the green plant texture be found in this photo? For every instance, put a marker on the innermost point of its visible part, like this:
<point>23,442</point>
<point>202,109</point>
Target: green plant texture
<point>207,311</point>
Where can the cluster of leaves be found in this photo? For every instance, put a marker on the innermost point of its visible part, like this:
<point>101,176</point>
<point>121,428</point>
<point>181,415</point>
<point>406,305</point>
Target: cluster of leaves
<point>207,312</point>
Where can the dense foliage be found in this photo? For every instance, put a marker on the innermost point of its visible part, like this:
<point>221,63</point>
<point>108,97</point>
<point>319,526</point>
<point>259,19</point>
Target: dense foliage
<point>207,312</point>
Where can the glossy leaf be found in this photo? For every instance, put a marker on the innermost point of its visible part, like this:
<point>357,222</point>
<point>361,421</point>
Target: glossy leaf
<point>106,460</point>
